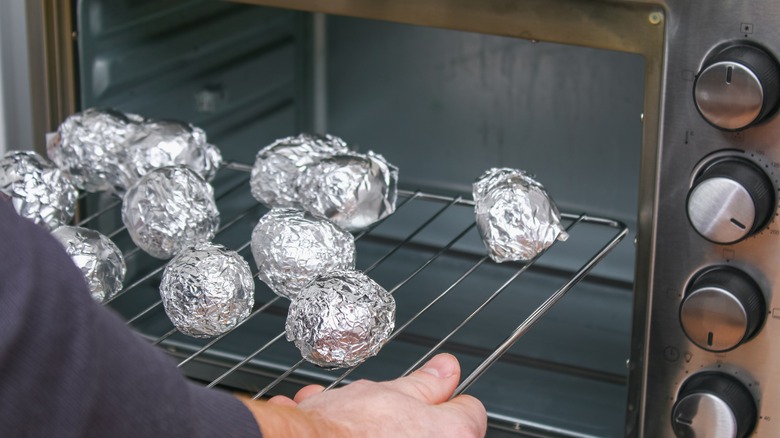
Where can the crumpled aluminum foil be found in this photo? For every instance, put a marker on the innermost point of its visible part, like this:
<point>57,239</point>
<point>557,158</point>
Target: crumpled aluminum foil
<point>99,259</point>
<point>340,319</point>
<point>91,148</point>
<point>160,143</point>
<point>352,190</point>
<point>207,290</point>
<point>278,165</point>
<point>291,248</point>
<point>37,188</point>
<point>169,209</point>
<point>515,216</point>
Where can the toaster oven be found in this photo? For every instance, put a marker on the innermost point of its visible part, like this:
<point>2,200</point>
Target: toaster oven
<point>652,120</point>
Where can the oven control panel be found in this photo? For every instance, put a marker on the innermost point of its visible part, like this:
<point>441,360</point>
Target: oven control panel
<point>713,364</point>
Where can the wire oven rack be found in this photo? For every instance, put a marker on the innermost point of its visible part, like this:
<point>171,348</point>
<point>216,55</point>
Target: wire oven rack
<point>428,232</point>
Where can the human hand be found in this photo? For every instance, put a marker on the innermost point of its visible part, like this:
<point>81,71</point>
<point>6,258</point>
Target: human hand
<point>412,406</point>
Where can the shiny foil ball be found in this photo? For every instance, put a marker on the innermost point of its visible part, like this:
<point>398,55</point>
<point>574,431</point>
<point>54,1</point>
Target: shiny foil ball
<point>278,165</point>
<point>352,190</point>
<point>98,258</point>
<point>340,319</point>
<point>37,188</point>
<point>169,209</point>
<point>515,216</point>
<point>91,148</point>
<point>207,290</point>
<point>291,248</point>
<point>160,143</point>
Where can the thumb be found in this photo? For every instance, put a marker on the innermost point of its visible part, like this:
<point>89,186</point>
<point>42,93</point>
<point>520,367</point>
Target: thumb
<point>433,383</point>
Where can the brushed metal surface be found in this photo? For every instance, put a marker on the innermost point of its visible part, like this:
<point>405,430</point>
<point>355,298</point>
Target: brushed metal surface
<point>705,416</point>
<point>714,319</point>
<point>721,210</point>
<point>729,95</point>
<point>695,30</point>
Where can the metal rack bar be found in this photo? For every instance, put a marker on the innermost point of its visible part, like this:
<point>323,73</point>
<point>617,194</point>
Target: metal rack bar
<point>409,196</point>
<point>99,213</point>
<point>495,294</point>
<point>392,251</point>
<point>484,304</point>
<point>393,290</point>
<point>538,313</point>
<point>403,327</point>
<point>232,222</point>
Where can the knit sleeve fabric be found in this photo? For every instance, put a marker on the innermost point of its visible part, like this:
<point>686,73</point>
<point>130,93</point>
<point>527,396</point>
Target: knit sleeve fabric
<point>71,368</point>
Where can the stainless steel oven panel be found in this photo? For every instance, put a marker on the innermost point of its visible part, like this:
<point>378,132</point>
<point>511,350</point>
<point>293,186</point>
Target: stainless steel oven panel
<point>695,30</point>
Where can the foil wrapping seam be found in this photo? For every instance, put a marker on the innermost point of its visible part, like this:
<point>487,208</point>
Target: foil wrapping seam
<point>98,258</point>
<point>107,150</point>
<point>340,319</point>
<point>291,248</point>
<point>37,188</point>
<point>169,209</point>
<point>352,190</point>
<point>278,165</point>
<point>207,290</point>
<point>515,216</point>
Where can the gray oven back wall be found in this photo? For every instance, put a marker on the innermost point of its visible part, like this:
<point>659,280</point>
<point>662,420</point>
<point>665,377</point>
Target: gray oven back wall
<point>442,105</point>
<point>445,105</point>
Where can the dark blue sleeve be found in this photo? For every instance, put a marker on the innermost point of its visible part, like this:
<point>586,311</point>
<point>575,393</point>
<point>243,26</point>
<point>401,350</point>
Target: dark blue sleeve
<point>71,368</point>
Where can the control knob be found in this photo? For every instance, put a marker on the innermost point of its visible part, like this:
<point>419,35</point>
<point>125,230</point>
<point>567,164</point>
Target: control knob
<point>738,87</point>
<point>714,405</point>
<point>731,199</point>
<point>722,309</point>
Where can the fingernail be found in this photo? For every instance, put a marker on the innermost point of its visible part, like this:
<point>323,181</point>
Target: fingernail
<point>441,366</point>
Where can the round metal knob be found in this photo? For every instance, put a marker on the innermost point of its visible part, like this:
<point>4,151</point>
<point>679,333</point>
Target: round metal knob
<point>730,200</point>
<point>714,405</point>
<point>738,87</point>
<point>722,309</point>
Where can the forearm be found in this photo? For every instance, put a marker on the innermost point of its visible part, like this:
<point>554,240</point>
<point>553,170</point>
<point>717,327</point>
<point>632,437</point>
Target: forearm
<point>278,421</point>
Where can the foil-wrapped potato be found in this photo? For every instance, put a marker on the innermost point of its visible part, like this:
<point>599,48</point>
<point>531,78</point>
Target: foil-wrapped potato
<point>169,209</point>
<point>98,258</point>
<point>340,319</point>
<point>278,165</point>
<point>515,216</point>
<point>291,248</point>
<point>37,188</point>
<point>207,290</point>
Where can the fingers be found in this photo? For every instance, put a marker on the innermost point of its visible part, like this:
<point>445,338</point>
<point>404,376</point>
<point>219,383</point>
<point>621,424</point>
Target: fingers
<point>308,391</point>
<point>282,401</point>
<point>469,411</point>
<point>433,383</point>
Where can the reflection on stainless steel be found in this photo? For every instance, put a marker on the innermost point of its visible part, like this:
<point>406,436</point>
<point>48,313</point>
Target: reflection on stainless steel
<point>714,404</point>
<point>722,309</point>
<point>39,191</point>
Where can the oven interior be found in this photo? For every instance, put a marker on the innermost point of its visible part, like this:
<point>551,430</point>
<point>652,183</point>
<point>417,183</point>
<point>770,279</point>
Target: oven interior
<point>443,106</point>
